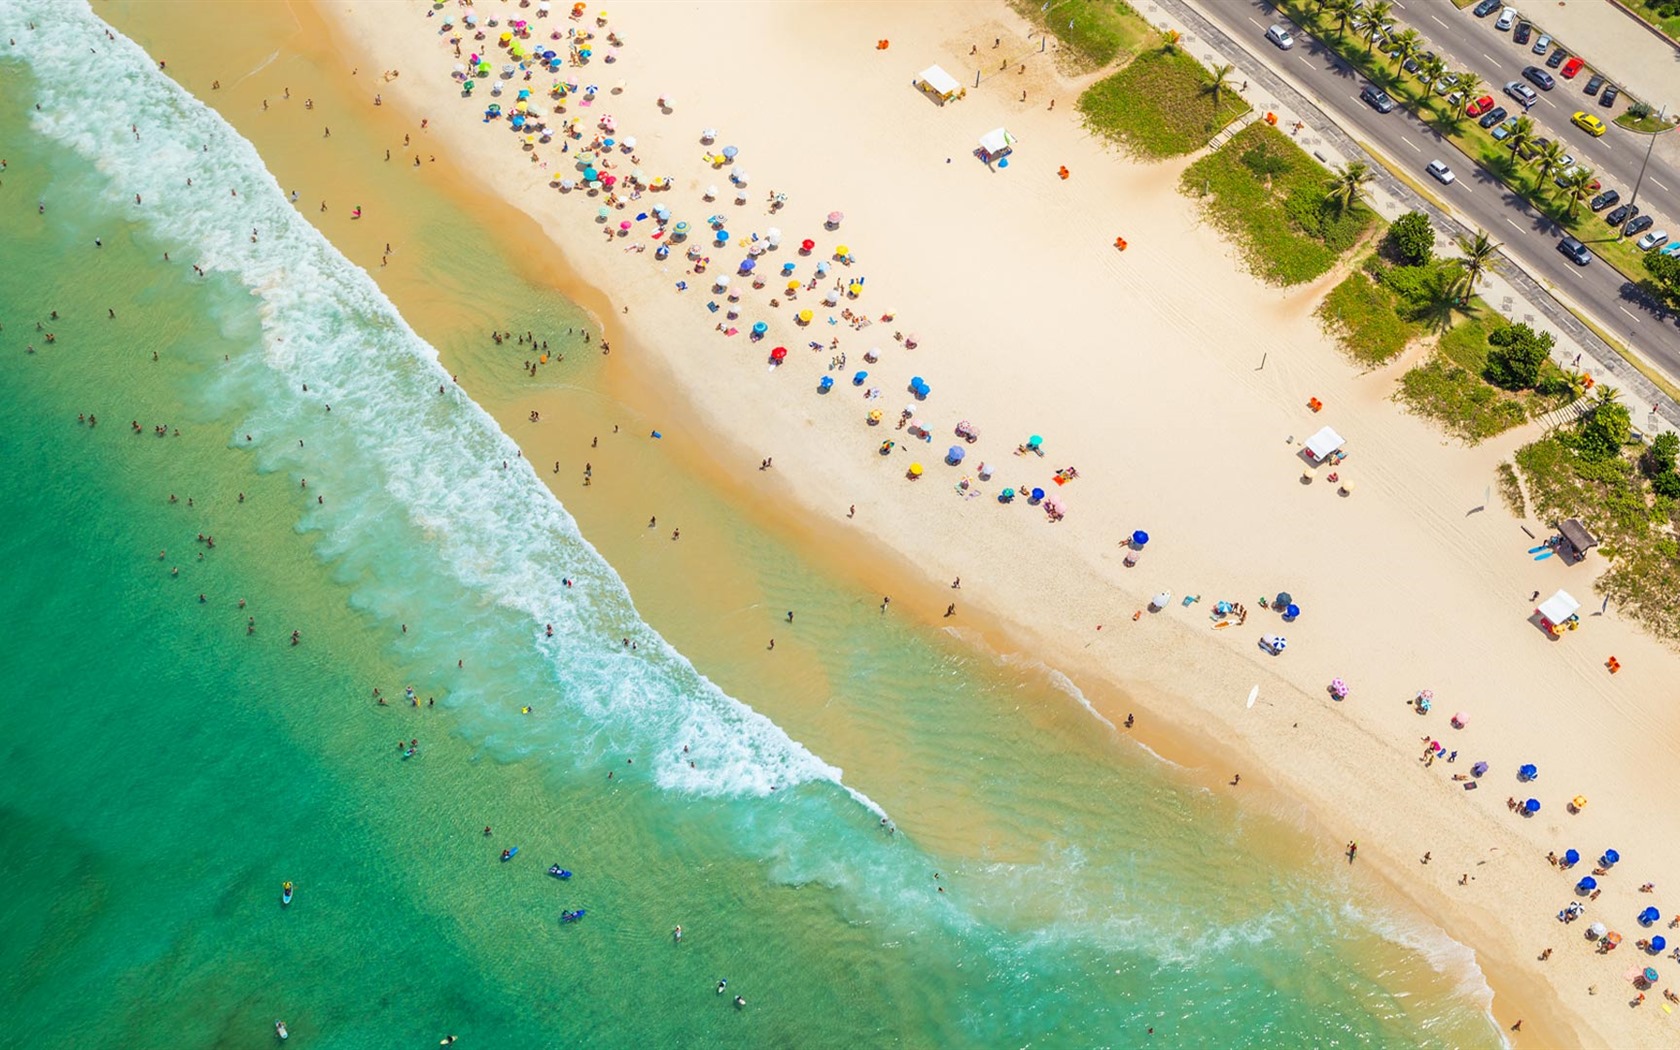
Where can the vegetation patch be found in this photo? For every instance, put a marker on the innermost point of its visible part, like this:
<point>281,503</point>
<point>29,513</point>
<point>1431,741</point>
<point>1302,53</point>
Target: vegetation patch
<point>1510,490</point>
<point>1487,377</point>
<point>1363,316</point>
<point>1164,104</point>
<point>1093,33</point>
<point>1273,200</point>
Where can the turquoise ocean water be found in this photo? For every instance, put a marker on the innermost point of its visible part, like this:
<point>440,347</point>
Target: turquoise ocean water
<point>167,767</point>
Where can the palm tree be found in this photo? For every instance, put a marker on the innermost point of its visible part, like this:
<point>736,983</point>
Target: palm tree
<point>1218,82</point>
<point>1407,44</point>
<point>1548,161</point>
<point>1342,11</point>
<point>1479,253</point>
<point>1346,184</point>
<point>1376,16</point>
<point>1431,70</point>
<point>1521,136</point>
<point>1579,186</point>
<point>1469,87</point>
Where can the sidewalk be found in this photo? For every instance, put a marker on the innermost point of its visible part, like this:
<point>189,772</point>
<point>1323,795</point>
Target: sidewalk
<point>1613,42</point>
<point>1510,290</point>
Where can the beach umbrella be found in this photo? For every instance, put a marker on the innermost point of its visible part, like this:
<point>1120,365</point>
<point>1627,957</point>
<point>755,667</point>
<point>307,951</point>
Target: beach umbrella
<point>1531,806</point>
<point>807,244</point>
<point>1460,720</point>
<point>590,174</point>
<point>568,184</point>
<point>629,142</point>
<point>708,134</point>
<point>711,192</point>
<point>774,236</point>
<point>787,269</point>
<point>1610,857</point>
<point>1579,802</point>
<point>722,236</point>
<point>1613,938</point>
<point>1571,857</point>
<point>1291,611</point>
<point>1528,771</point>
<point>1648,916</point>
<point>1658,943</point>
<point>1587,884</point>
<point>831,297</point>
<point>680,230</point>
<point>625,225</point>
<point>915,470</point>
<point>1479,769</point>
<point>729,152</point>
<point>1338,688</point>
<point>721,283</point>
<point>823,268</point>
<point>804,317</point>
<point>985,470</point>
<point>1139,538</point>
<point>842,252</point>
<point>858,378</point>
<point>756,248</point>
<point>740,196</point>
<point>759,328</point>
<point>1006,495</point>
<point>874,415</point>
<point>602,213</point>
<point>1037,494</point>
<point>955,454</point>
<point>1034,441</point>
<point>661,212</point>
<point>793,286</point>
<point>1650,974</point>
<point>1597,929</point>
<point>779,355</point>
<point>834,218</point>
<point>825,384</point>
<point>747,265</point>
<point>1160,600</point>
<point>608,180</point>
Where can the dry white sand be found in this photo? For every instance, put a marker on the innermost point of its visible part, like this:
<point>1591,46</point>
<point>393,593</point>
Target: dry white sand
<point>1142,369</point>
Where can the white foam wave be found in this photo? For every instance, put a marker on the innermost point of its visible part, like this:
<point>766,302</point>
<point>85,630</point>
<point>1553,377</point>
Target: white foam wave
<point>435,462</point>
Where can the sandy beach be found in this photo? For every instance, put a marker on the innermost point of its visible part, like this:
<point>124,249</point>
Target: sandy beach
<point>1172,381</point>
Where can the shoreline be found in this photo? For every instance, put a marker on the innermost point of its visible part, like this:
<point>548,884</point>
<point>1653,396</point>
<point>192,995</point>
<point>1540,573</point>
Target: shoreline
<point>1005,635</point>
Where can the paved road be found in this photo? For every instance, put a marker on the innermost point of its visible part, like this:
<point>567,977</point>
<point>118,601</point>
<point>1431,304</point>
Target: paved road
<point>1529,238</point>
<point>1473,44</point>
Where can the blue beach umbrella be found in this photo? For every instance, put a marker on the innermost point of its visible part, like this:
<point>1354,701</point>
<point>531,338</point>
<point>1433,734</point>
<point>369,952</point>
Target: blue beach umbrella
<point>1139,538</point>
<point>858,378</point>
<point>1037,494</point>
<point>1571,857</point>
<point>825,384</point>
<point>1006,495</point>
<point>1587,884</point>
<point>1291,611</point>
<point>1650,975</point>
<point>1658,943</point>
<point>1610,857</point>
<point>759,328</point>
<point>747,265</point>
<point>787,268</point>
<point>729,152</point>
<point>591,174</point>
<point>1482,767</point>
<point>722,236</point>
<point>1528,771</point>
<point>955,454</point>
<point>1034,441</point>
<point>1531,806</point>
<point>1648,916</point>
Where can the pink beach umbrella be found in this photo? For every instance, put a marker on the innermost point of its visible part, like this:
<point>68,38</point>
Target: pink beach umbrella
<point>834,218</point>
<point>625,225</point>
<point>1460,720</point>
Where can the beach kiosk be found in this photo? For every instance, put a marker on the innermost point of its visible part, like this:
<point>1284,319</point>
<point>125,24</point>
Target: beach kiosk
<point>1557,613</point>
<point>1323,445</point>
<point>996,144</point>
<point>941,86</point>
<point>1577,541</point>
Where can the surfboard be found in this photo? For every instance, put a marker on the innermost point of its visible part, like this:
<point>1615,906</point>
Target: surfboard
<point>1537,550</point>
<point>1253,695</point>
<point>1543,557</point>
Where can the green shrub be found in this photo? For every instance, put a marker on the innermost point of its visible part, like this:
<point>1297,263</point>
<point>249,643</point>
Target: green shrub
<point>1159,106</point>
<point>1411,239</point>
<point>1363,317</point>
<point>1666,484</point>
<point>1659,454</point>
<point>1518,354</point>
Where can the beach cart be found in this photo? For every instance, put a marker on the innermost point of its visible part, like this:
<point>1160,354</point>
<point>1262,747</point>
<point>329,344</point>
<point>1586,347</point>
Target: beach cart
<point>938,85</point>
<point>1324,445</point>
<point>996,144</point>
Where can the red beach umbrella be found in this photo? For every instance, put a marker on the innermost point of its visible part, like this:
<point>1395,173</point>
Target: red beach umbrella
<point>779,354</point>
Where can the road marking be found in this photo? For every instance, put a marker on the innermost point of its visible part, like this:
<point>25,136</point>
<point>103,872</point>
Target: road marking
<point>1489,57</point>
<point>1408,142</point>
<point>1659,185</point>
<point>1514,226</point>
<point>1624,310</point>
<point>1438,22</point>
<point>1548,101</point>
<point>1255,24</point>
<point>1305,59</point>
<point>1466,188</point>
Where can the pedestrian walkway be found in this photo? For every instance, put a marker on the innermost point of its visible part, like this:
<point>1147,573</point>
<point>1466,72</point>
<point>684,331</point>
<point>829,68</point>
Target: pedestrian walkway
<point>1511,290</point>
<point>1613,42</point>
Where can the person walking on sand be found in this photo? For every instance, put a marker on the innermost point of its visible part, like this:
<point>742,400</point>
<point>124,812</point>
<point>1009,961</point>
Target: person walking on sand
<point>1352,851</point>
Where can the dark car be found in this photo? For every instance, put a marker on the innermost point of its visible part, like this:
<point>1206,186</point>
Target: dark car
<point>1492,117</point>
<point>1524,31</point>
<point>1576,251</point>
<point>1555,59</point>
<point>1377,98</point>
<point>1487,7</point>
<point>1622,214</point>
<point>1594,82</point>
<point>1604,200</point>
<point>1538,77</point>
<point>1637,225</point>
<point>1610,95</point>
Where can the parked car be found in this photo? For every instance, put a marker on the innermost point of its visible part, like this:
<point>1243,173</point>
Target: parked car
<point>1671,249</point>
<point>1503,131</point>
<point>1594,82</point>
<point>1506,19</point>
<point>1377,98</point>
<point>1572,67</point>
<point>1588,123</point>
<point>1532,147</point>
<point>1280,36</point>
<point>1446,84</point>
<point>1638,224</point>
<point>1492,117</point>
<point>1486,7</point>
<point>1555,59</point>
<point>1524,31</point>
<point>1604,200</point>
<point>1538,77</point>
<point>1524,94</point>
<point>1622,214</point>
<point>1442,173</point>
<point>1654,239</point>
<point>1568,171</point>
<point>1480,106</point>
<point>1543,43</point>
<point>1575,250</point>
<point>1610,95</point>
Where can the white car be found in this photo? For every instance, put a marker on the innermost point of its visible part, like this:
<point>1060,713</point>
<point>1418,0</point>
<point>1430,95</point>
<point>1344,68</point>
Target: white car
<point>1442,173</point>
<point>1280,36</point>
<point>1654,239</point>
<point>1507,18</point>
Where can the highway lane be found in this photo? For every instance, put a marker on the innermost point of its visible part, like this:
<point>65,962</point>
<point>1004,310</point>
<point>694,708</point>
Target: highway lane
<point>1473,44</point>
<point>1529,238</point>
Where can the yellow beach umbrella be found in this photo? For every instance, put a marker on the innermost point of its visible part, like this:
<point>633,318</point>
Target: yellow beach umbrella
<point>793,286</point>
<point>804,317</point>
<point>842,251</point>
<point>915,470</point>
<point>855,289</point>
<point>874,415</point>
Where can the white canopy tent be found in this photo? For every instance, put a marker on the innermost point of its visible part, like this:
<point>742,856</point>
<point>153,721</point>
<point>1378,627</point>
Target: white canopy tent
<point>1559,607</point>
<point>1323,443</point>
<point>997,143</point>
<point>938,83</point>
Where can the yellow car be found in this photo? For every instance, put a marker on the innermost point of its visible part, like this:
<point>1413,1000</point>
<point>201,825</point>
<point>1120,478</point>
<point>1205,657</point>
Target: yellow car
<point>1588,123</point>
